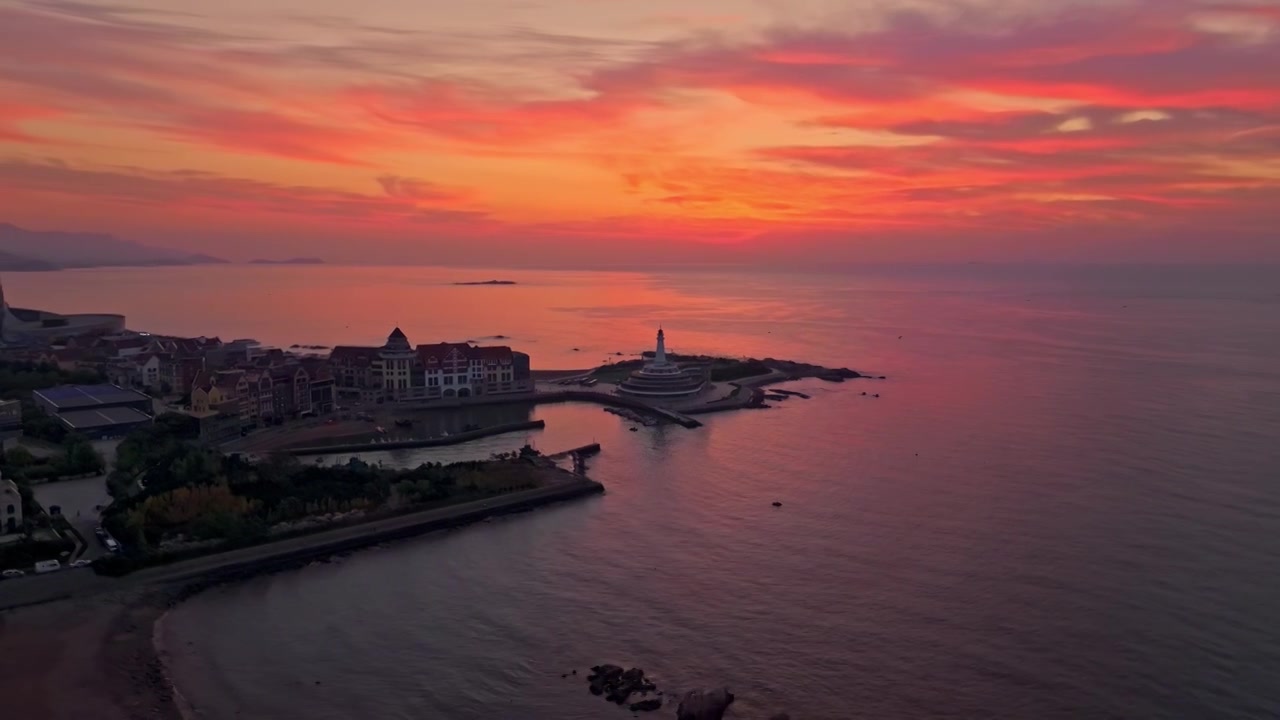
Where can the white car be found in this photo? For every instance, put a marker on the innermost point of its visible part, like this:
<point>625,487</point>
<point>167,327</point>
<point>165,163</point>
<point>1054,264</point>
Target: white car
<point>12,573</point>
<point>82,562</point>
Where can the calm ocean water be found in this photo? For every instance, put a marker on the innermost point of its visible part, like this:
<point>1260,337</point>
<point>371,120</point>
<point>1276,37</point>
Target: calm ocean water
<point>1064,505</point>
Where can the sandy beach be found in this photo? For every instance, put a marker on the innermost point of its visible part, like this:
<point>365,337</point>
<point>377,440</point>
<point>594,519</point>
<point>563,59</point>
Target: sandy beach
<point>92,657</point>
<point>87,649</point>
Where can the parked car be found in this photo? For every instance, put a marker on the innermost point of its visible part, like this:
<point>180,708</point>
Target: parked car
<point>47,566</point>
<point>82,562</point>
<point>12,573</point>
<point>99,532</point>
<point>112,545</point>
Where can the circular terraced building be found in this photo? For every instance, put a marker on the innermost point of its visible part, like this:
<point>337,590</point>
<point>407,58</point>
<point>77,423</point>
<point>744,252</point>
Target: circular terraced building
<point>660,378</point>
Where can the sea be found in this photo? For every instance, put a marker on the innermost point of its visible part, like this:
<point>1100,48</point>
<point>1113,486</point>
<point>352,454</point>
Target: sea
<point>1062,502</point>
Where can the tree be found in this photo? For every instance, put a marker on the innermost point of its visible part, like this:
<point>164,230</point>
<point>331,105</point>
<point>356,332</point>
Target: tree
<point>37,424</point>
<point>18,457</point>
<point>80,457</point>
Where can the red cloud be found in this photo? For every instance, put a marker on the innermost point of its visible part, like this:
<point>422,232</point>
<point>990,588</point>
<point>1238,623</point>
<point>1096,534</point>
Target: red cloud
<point>269,133</point>
<point>1129,111</point>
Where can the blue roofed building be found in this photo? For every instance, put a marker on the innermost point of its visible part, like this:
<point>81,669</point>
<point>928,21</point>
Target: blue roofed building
<point>90,397</point>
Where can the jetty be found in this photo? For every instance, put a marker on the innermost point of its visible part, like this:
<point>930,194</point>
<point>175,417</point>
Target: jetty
<point>585,450</point>
<point>441,441</point>
<point>617,401</point>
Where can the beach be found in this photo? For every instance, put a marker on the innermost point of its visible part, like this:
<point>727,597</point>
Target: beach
<point>90,646</point>
<point>92,657</point>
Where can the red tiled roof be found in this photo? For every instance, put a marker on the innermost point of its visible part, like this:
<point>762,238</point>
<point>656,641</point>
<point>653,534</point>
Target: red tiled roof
<point>228,379</point>
<point>493,354</point>
<point>438,352</point>
<point>287,372</point>
<point>353,355</point>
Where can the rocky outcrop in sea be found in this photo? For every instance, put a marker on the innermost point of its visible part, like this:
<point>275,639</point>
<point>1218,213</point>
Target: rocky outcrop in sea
<point>704,704</point>
<point>625,686</point>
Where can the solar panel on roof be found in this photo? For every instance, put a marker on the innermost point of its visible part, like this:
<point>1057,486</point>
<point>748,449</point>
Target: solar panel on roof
<point>89,395</point>
<point>85,419</point>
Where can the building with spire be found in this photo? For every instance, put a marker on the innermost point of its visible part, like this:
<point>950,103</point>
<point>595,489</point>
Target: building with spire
<point>660,378</point>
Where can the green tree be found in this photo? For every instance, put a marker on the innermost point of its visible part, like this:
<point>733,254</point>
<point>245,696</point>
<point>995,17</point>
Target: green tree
<point>18,457</point>
<point>79,456</point>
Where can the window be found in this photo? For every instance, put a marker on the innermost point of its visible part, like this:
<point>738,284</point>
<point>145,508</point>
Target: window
<point>448,379</point>
<point>10,508</point>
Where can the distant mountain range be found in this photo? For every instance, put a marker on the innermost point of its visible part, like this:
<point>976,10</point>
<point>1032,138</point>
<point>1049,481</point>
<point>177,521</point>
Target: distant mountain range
<point>32,250</point>
<point>289,261</point>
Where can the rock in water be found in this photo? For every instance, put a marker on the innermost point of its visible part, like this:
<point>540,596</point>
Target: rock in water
<point>646,705</point>
<point>704,705</point>
<point>617,686</point>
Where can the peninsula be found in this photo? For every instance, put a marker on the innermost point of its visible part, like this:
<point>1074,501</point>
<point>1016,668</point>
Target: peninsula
<point>22,249</point>
<point>288,261</point>
<point>192,503</point>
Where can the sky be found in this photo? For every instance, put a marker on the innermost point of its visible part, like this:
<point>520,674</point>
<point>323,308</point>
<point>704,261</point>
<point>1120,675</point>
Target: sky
<point>601,131</point>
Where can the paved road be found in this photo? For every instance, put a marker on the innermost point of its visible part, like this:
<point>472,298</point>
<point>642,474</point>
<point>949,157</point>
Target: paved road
<point>81,581</point>
<point>79,500</point>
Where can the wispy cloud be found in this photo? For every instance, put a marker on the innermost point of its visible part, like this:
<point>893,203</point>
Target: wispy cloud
<point>871,117</point>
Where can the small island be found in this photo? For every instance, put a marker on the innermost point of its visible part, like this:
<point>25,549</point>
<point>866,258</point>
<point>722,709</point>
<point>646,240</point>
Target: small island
<point>288,261</point>
<point>487,282</point>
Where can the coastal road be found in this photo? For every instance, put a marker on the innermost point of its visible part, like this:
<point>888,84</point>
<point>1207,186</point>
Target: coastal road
<point>34,589</point>
<point>79,500</point>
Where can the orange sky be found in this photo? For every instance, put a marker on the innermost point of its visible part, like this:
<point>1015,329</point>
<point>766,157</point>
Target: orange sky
<point>564,130</point>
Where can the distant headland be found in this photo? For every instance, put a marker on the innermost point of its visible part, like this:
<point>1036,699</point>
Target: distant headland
<point>487,282</point>
<point>23,250</point>
<point>288,261</point>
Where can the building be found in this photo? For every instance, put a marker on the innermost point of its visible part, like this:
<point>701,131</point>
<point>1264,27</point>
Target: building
<point>10,507</point>
<point>213,389</point>
<point>321,385</point>
<point>399,372</point>
<point>10,419</point>
<point>291,390</point>
<point>228,355</point>
<point>100,423</point>
<point>22,325</point>
<point>354,377</point>
<point>180,373</point>
<point>661,378</point>
<point>217,427</point>
<point>396,365</point>
<point>460,370</point>
<point>66,398</point>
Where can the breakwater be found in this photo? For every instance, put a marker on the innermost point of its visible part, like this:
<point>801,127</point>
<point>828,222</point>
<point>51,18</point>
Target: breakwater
<point>454,439</point>
<point>617,401</point>
<point>585,450</point>
<point>304,548</point>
